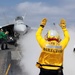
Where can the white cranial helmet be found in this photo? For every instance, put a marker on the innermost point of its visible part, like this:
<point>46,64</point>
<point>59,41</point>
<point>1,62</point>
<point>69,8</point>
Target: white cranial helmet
<point>52,34</point>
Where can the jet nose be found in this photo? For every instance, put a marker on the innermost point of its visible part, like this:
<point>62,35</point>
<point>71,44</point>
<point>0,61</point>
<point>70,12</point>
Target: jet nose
<point>19,28</point>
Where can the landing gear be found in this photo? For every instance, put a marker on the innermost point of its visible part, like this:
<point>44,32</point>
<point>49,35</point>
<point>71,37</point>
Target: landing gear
<point>15,44</point>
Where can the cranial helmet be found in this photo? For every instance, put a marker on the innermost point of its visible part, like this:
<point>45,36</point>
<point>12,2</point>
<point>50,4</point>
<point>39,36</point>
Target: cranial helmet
<point>52,35</point>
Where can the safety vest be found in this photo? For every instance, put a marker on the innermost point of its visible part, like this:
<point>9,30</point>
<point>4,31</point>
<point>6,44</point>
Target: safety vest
<point>51,56</point>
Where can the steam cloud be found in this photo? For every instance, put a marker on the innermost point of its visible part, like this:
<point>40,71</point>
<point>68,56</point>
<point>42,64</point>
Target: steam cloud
<point>31,51</point>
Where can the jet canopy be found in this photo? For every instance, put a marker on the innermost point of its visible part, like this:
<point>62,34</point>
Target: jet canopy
<point>19,18</point>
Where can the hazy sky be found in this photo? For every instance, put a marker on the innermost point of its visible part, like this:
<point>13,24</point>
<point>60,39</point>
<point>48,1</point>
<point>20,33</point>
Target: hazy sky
<point>35,10</point>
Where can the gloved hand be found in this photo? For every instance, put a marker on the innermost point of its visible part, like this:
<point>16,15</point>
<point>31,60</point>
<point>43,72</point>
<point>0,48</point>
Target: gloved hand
<point>62,23</point>
<point>43,22</point>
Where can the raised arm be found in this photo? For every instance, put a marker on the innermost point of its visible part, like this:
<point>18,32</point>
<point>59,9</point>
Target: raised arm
<point>39,37</point>
<point>66,39</point>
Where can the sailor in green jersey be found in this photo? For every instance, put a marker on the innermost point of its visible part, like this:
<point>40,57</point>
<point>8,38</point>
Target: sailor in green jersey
<point>3,39</point>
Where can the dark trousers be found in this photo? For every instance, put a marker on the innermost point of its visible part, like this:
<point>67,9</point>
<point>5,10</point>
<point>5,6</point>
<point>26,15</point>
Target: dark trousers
<point>3,43</point>
<point>50,72</point>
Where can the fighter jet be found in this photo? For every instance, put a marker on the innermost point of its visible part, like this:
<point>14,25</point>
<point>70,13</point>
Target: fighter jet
<point>16,29</point>
<point>19,25</point>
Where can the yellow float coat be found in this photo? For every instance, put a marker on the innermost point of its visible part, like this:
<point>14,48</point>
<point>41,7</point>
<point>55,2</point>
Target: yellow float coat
<point>52,51</point>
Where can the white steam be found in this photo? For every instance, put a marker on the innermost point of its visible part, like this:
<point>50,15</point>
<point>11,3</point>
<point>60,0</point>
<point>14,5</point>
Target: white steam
<point>31,51</point>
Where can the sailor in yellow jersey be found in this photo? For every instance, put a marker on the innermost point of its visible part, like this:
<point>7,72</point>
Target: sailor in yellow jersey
<point>50,61</point>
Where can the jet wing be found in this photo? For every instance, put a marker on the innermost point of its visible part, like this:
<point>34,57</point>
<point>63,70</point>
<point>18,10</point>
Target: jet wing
<point>13,36</point>
<point>12,40</point>
<point>9,28</point>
